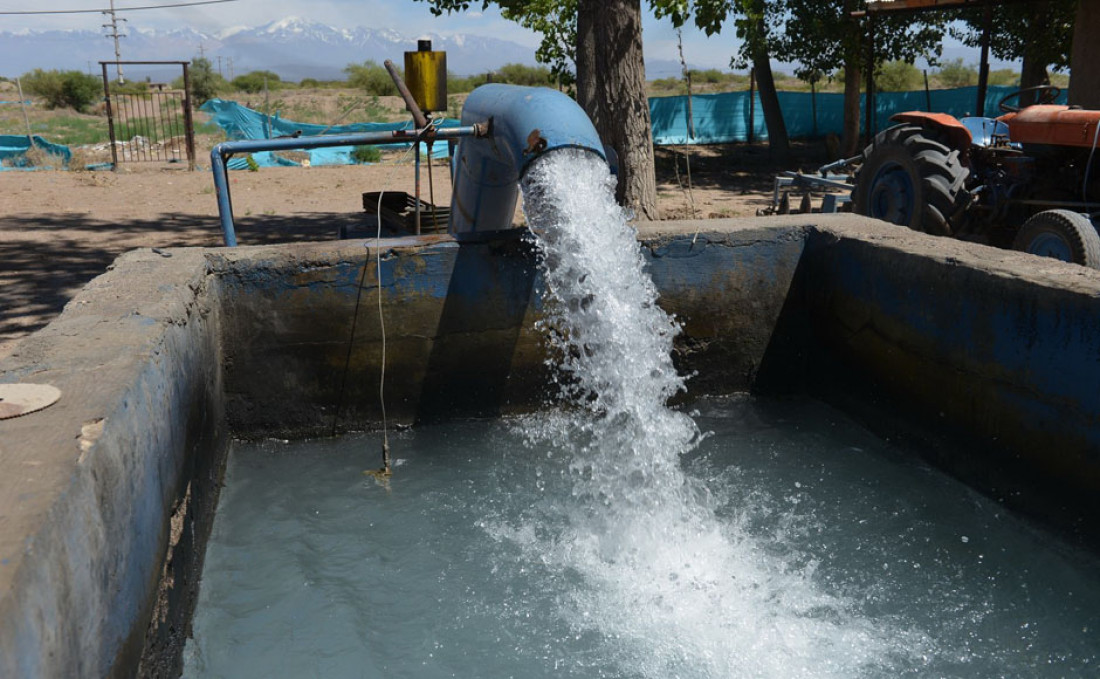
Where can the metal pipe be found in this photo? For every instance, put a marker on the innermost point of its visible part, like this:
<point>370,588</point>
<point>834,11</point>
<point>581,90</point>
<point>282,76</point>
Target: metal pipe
<point>418,116</point>
<point>221,153</point>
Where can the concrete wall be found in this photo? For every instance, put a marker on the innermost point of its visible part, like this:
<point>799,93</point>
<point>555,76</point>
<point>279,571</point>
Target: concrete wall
<point>110,491</point>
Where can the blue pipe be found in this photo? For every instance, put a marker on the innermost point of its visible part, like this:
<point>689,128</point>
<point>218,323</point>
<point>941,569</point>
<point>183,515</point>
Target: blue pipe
<point>220,154</point>
<point>524,124</point>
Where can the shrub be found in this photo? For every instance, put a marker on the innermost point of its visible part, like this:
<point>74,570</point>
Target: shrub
<point>63,88</point>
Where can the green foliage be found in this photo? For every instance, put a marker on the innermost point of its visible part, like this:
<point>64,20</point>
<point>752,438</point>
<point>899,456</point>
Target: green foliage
<point>366,154</point>
<point>373,78</point>
<point>518,74</point>
<point>457,84</point>
<point>61,89</point>
<point>1004,76</point>
<point>255,81</point>
<point>205,82</point>
<point>898,76</point>
<point>253,166</point>
<point>955,73</point>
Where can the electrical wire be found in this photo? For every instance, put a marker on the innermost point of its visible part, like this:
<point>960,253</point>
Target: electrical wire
<point>107,10</point>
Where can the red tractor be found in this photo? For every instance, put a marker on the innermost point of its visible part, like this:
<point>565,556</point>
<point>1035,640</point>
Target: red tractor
<point>1023,181</point>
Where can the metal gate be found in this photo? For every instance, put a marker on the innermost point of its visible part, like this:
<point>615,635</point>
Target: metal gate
<point>150,126</point>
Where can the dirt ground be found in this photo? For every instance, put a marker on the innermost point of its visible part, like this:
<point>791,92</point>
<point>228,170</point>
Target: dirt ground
<point>58,230</point>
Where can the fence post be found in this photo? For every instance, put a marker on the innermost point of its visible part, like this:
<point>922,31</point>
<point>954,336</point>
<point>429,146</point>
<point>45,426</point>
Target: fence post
<point>813,103</point>
<point>752,105</point>
<point>927,93</point>
<point>110,117</point>
<point>188,120</point>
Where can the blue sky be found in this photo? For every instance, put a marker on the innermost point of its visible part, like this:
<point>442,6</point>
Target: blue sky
<point>405,16</point>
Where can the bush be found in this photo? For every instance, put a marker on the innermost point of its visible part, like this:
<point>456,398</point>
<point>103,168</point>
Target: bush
<point>371,77</point>
<point>956,74</point>
<point>62,89</point>
<point>366,154</point>
<point>253,82</point>
<point>898,76</point>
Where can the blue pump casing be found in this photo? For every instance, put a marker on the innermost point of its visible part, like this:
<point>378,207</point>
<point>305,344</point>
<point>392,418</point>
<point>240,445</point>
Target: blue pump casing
<point>525,124</point>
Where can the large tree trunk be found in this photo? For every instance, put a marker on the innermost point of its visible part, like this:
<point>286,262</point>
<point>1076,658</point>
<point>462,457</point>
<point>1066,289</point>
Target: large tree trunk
<point>769,101</point>
<point>587,80</point>
<point>1084,84</point>
<point>849,138</point>
<point>623,107</point>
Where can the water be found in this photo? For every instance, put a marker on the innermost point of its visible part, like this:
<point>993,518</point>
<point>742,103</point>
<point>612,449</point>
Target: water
<point>610,537</point>
<point>835,556</point>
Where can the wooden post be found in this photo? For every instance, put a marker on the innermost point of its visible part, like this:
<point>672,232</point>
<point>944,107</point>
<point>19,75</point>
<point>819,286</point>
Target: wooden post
<point>870,95</point>
<point>983,69</point>
<point>927,93</point>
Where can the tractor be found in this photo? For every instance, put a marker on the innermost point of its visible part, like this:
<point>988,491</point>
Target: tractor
<point>1024,180</point>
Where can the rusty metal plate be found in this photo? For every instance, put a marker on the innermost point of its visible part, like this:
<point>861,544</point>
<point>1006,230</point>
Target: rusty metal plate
<point>21,399</point>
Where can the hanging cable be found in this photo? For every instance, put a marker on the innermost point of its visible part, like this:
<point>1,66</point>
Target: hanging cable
<point>386,468</point>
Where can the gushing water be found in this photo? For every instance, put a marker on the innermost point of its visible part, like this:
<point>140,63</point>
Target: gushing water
<point>676,591</point>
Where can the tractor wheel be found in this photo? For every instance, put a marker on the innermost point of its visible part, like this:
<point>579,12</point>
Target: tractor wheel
<point>1061,234</point>
<point>910,178</point>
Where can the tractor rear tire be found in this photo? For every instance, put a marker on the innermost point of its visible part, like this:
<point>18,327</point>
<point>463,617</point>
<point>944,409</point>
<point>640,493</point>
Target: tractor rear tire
<point>1061,234</point>
<point>910,178</point>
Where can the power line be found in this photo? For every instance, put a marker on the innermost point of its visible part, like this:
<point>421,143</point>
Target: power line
<point>119,9</point>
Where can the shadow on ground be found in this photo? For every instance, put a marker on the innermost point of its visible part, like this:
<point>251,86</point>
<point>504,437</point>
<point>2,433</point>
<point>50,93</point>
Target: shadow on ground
<point>48,258</point>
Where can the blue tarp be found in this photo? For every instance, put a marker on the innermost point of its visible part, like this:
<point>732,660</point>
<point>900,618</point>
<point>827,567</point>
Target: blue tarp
<point>240,122</point>
<point>13,152</point>
<point>722,118</point>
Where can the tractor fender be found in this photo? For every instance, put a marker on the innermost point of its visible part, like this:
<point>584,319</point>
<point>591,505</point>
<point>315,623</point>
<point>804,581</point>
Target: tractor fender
<point>956,132</point>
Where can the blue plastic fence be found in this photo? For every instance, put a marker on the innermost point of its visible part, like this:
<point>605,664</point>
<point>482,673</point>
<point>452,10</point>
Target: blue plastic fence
<point>721,118</point>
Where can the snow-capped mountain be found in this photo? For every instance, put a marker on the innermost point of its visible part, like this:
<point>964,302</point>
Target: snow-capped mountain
<point>292,47</point>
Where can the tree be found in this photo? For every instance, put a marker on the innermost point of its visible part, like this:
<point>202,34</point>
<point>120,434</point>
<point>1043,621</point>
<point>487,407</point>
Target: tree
<point>205,83</point>
<point>604,41</point>
<point>820,34</point>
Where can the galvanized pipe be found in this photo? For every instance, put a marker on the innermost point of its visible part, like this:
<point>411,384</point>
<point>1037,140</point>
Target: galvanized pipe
<point>221,153</point>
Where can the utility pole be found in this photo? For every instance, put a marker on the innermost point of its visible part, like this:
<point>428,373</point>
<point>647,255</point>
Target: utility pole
<point>230,66</point>
<point>113,33</point>
<point>202,51</point>
<point>220,66</point>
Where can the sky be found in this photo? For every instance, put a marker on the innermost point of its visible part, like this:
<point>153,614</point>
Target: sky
<point>406,16</point>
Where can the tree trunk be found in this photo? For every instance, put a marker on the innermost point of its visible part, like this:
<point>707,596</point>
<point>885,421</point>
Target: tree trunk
<point>587,80</point>
<point>849,139</point>
<point>769,101</point>
<point>623,106</point>
<point>1084,84</point>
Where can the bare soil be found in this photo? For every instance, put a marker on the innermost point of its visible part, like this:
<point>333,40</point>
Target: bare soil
<point>58,230</point>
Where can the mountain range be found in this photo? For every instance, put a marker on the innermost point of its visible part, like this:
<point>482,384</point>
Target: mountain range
<point>294,48</point>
